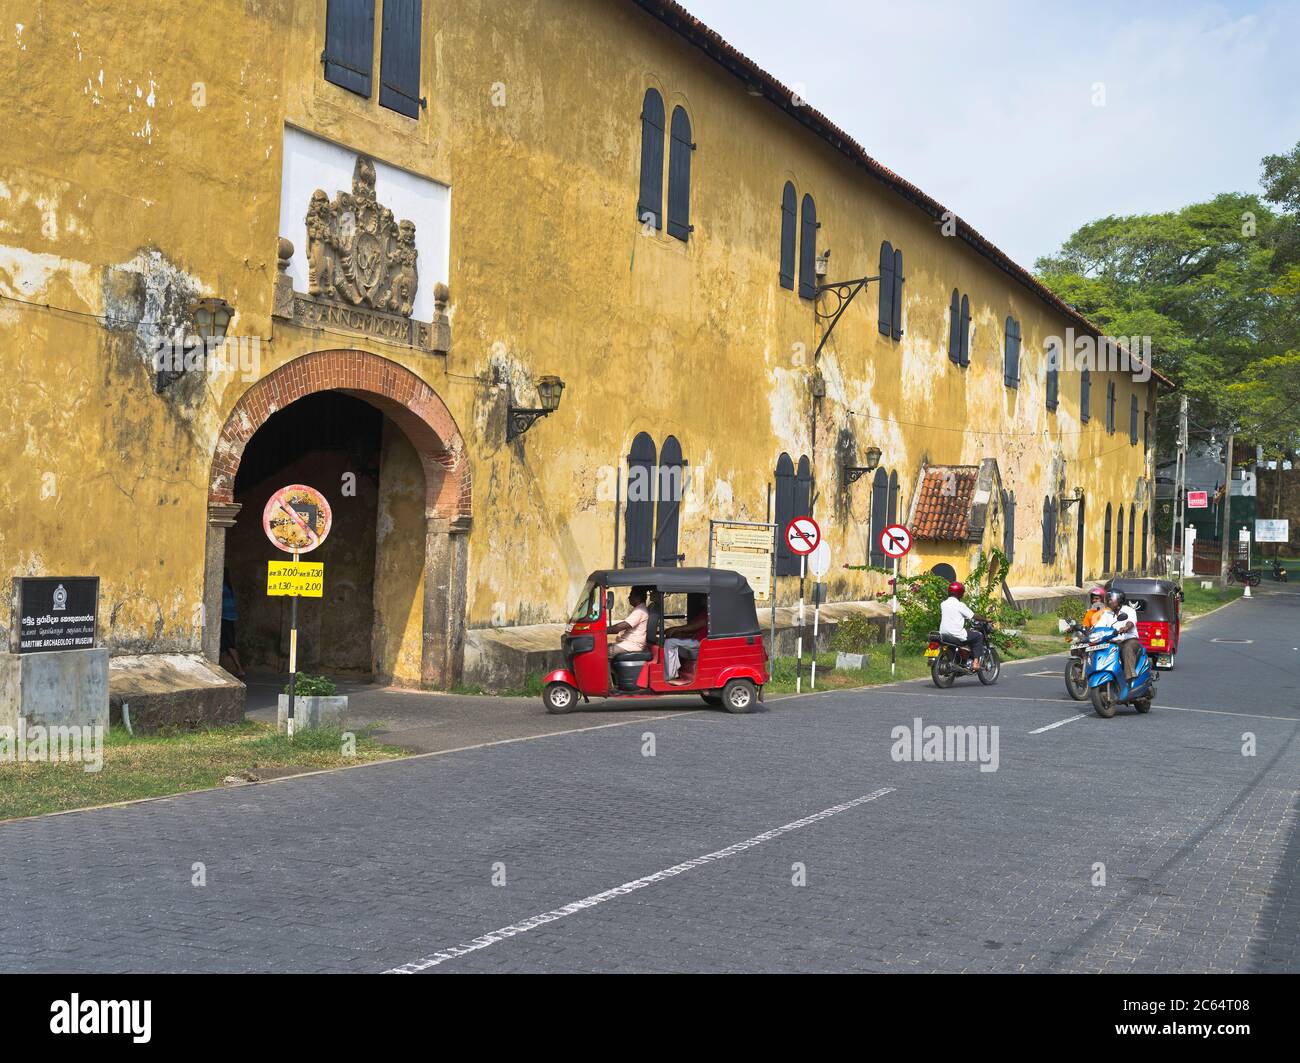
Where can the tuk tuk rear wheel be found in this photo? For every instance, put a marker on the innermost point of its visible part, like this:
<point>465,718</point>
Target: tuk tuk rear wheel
<point>559,698</point>
<point>1103,701</point>
<point>738,696</point>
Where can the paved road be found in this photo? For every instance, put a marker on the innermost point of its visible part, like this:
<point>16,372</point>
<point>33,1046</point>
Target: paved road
<point>616,861</point>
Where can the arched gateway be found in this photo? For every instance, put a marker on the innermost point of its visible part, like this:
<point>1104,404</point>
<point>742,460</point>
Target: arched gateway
<point>413,406</point>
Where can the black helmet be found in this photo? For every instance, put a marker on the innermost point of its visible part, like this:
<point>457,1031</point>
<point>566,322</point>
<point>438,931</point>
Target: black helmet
<point>1114,599</point>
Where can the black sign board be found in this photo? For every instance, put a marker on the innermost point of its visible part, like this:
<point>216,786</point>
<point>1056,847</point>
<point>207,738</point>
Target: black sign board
<point>55,613</point>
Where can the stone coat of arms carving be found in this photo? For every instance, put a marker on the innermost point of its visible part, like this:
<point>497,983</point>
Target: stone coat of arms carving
<point>356,252</point>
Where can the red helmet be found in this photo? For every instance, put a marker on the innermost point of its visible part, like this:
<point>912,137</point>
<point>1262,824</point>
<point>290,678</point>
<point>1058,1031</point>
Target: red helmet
<point>1096,594</point>
<point>956,589</point>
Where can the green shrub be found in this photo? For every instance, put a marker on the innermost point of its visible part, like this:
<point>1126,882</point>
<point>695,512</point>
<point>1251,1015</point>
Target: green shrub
<point>1071,609</point>
<point>313,686</point>
<point>855,634</point>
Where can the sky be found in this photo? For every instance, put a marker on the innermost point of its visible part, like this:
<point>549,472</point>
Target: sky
<point>1030,119</point>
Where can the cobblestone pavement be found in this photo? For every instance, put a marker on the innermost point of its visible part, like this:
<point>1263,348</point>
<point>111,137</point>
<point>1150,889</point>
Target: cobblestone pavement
<point>610,860</point>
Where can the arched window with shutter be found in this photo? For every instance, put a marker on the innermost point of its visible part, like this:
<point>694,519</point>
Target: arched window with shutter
<point>789,221</point>
<point>1110,407</point>
<point>1049,530</point>
<point>808,250</point>
<point>650,201</point>
<point>893,498</point>
<point>886,288</point>
<point>1132,527</point>
<point>1009,524</point>
<point>1085,395</point>
<point>1146,528</point>
<point>1105,549</point>
<point>640,508</point>
<point>680,149</point>
<point>954,328</point>
<point>1011,354</point>
<point>1119,541</point>
<point>965,331</point>
<point>668,507</point>
<point>879,514</point>
<point>787,563</point>
<point>1133,420</point>
<point>803,489</point>
<point>1053,376</point>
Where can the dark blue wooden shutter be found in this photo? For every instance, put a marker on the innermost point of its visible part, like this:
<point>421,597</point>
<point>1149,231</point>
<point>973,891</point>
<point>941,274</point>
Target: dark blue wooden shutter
<point>886,288</point>
<point>350,44</point>
<point>803,489</point>
<point>893,497</point>
<point>789,220</point>
<point>1053,380</point>
<point>965,330</point>
<point>650,202</point>
<point>1119,541</point>
<point>1146,429</point>
<point>1011,355</point>
<point>1110,406</point>
<point>954,327</point>
<point>879,514</point>
<point>679,176</point>
<point>1145,532</point>
<point>1105,550</point>
<point>1133,420</point>
<point>808,250</point>
<point>1009,524</point>
<point>1085,395</point>
<point>787,564</point>
<point>640,510</point>
<point>399,59</point>
<point>896,320</point>
<point>1132,527</point>
<point>672,486</point>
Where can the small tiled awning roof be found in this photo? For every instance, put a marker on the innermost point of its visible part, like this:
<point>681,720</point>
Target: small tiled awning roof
<point>943,505</point>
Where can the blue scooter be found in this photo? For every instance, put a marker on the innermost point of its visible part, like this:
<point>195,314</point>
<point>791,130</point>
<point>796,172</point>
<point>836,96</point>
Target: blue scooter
<point>1105,675</point>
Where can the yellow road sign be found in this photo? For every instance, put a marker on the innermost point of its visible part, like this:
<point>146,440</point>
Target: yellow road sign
<point>304,579</point>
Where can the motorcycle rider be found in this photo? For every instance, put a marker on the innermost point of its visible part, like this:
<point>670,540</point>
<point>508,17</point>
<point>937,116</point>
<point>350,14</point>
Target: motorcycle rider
<point>953,614</point>
<point>1123,618</point>
<point>1096,606</point>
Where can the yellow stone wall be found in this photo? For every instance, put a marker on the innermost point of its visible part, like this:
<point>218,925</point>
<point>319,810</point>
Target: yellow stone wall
<point>149,161</point>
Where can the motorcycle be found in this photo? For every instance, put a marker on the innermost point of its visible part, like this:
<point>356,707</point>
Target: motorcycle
<point>950,659</point>
<point>1076,664</point>
<point>1239,573</point>
<point>1105,675</point>
<point>1279,571</point>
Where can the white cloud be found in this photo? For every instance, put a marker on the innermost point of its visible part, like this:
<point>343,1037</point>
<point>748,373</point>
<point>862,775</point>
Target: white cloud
<point>988,106</point>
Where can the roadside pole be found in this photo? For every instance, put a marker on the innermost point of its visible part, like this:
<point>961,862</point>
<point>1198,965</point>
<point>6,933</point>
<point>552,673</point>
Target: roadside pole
<point>893,625</point>
<point>1177,535</point>
<point>293,657</point>
<point>798,667</point>
<point>1225,551</point>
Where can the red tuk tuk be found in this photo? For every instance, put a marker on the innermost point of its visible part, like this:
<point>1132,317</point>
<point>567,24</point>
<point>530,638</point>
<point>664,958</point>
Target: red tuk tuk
<point>1159,607</point>
<point>729,667</point>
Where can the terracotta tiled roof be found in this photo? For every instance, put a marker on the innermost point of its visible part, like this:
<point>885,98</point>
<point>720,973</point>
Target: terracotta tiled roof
<point>760,82</point>
<point>944,503</point>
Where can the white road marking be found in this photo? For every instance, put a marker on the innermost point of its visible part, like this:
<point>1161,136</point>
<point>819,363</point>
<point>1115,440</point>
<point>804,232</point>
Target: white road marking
<point>533,923</point>
<point>1060,723</point>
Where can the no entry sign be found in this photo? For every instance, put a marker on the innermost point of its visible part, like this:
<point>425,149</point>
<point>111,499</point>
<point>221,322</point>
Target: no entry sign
<point>297,519</point>
<point>802,535</point>
<point>895,540</point>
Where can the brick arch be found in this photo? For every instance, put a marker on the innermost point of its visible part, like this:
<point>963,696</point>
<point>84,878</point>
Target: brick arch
<point>391,388</point>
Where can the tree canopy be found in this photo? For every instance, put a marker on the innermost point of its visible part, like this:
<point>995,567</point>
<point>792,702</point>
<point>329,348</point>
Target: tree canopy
<point>1216,286</point>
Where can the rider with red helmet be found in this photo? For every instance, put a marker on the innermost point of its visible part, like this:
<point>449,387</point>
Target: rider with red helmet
<point>953,614</point>
<point>1096,606</point>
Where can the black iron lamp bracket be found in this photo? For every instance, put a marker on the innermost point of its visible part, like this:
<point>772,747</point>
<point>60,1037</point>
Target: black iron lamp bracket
<point>843,292</point>
<point>520,419</point>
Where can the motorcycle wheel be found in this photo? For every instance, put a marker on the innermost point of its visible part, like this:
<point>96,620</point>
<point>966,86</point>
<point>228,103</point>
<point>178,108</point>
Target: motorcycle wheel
<point>990,668</point>
<point>1143,706</point>
<point>941,680</point>
<point>1254,579</point>
<point>1103,700</point>
<point>1074,684</point>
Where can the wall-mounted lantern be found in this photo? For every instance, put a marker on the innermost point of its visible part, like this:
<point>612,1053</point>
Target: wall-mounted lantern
<point>854,473</point>
<point>519,418</point>
<point>212,318</point>
<point>1066,502</point>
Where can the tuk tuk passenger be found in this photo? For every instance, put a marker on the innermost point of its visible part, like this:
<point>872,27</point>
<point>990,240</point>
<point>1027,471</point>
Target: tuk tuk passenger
<point>685,636</point>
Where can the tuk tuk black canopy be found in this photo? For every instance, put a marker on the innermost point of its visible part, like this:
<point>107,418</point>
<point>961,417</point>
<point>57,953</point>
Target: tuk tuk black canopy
<point>1157,597</point>
<point>731,601</point>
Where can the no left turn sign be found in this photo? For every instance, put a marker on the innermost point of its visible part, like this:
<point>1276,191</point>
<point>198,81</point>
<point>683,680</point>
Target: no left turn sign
<point>802,535</point>
<point>895,540</point>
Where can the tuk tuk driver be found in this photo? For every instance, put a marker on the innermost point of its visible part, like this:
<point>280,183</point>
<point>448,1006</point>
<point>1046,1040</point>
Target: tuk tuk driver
<point>633,628</point>
<point>1123,618</point>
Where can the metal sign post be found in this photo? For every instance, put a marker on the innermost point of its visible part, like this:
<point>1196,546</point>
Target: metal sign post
<point>819,563</point>
<point>798,666</point>
<point>802,536</point>
<point>895,540</point>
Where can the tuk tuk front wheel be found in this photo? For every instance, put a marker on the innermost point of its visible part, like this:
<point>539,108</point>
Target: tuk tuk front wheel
<point>1103,700</point>
<point>738,696</point>
<point>559,698</point>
